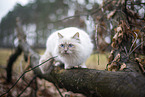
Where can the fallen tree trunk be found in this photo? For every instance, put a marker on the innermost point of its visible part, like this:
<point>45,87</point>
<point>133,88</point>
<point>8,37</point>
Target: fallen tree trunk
<point>100,83</point>
<point>94,83</point>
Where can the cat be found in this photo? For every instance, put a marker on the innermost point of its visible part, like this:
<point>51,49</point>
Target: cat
<point>72,46</point>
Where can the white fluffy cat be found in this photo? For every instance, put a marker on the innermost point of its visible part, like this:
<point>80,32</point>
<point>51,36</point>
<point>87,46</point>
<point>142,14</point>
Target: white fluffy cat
<point>72,46</point>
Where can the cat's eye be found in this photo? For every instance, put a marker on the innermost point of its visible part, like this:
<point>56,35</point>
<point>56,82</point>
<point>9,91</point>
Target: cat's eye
<point>62,45</point>
<point>70,45</point>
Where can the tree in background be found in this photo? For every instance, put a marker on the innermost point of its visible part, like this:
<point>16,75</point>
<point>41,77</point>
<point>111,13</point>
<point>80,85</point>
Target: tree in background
<point>41,17</point>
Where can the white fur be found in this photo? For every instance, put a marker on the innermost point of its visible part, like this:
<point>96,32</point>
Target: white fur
<point>83,49</point>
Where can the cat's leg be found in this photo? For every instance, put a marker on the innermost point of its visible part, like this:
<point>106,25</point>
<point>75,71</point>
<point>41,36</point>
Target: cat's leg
<point>45,67</point>
<point>57,63</point>
<point>66,66</point>
<point>83,65</point>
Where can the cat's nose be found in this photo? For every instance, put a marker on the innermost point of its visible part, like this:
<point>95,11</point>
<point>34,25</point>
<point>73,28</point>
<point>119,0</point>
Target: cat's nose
<point>65,51</point>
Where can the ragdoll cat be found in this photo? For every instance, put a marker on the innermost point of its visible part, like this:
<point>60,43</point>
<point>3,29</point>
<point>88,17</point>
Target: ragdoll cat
<point>72,46</point>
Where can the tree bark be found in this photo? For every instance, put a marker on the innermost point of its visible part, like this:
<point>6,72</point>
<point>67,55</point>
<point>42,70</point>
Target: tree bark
<point>11,60</point>
<point>100,83</point>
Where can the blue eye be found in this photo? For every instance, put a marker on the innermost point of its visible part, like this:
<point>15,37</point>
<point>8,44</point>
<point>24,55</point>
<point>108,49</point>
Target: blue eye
<point>70,45</point>
<point>62,45</point>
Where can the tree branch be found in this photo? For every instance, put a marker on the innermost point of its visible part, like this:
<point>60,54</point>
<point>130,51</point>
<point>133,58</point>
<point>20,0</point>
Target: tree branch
<point>100,83</point>
<point>11,60</point>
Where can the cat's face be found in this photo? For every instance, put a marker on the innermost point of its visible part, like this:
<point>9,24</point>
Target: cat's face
<point>67,47</point>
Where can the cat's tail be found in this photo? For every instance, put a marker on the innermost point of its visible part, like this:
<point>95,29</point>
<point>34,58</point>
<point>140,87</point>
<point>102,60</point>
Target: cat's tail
<point>44,67</point>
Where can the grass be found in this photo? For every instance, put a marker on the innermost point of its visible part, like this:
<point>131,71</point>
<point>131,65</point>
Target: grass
<point>91,63</point>
<point>4,57</point>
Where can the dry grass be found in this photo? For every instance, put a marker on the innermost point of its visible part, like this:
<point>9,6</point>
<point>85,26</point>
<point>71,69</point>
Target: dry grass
<point>92,61</point>
<point>4,56</point>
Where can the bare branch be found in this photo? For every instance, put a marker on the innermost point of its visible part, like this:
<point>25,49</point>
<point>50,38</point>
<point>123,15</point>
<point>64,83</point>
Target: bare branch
<point>27,86</point>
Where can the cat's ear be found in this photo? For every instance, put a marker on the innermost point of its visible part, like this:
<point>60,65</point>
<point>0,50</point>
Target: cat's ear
<point>60,36</point>
<point>76,36</point>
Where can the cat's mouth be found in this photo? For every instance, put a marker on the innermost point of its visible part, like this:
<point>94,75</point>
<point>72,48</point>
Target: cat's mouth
<point>66,52</point>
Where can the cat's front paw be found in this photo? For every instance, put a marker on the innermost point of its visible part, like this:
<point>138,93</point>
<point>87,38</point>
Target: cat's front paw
<point>83,66</point>
<point>67,67</point>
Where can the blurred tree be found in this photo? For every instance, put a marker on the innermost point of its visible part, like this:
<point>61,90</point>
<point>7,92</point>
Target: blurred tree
<point>46,16</point>
<point>40,13</point>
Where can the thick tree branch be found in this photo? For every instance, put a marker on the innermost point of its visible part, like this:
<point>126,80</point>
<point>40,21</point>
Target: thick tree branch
<point>100,83</point>
<point>11,60</point>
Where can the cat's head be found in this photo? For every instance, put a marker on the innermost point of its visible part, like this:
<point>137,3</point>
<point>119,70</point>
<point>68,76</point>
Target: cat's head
<point>68,46</point>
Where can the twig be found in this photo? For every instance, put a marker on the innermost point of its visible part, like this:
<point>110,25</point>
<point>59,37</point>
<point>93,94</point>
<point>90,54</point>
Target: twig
<point>133,42</point>
<point>77,15</point>
<point>142,68</point>
<point>98,59</point>
<point>36,87</point>
<point>93,12</point>
<point>58,90</point>
<point>136,47</point>
<point>125,50</point>
<point>26,72</point>
<point>136,4</point>
<point>85,14</point>
<point>27,85</point>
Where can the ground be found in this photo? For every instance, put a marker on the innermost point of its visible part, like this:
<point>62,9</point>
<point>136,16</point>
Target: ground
<point>43,88</point>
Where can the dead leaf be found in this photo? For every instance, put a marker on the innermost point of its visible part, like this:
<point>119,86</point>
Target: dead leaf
<point>111,14</point>
<point>111,57</point>
<point>123,65</point>
<point>115,37</point>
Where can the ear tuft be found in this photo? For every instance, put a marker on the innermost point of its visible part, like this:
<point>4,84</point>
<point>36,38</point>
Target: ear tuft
<point>76,36</point>
<point>60,36</point>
